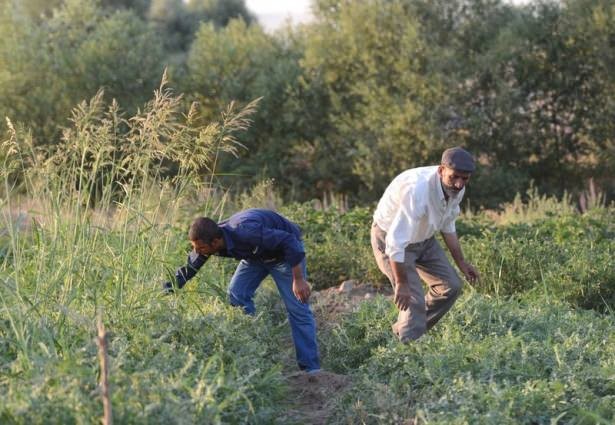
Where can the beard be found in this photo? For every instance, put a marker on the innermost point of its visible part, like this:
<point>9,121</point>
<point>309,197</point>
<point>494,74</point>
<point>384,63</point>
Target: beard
<point>450,191</point>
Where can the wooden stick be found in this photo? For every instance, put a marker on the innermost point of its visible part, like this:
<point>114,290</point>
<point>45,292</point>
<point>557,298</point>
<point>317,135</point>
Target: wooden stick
<point>104,371</point>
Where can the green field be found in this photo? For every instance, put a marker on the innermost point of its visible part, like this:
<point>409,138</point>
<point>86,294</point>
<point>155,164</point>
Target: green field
<point>95,226</point>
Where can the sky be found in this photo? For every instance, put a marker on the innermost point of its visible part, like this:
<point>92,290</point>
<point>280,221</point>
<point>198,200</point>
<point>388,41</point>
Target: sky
<point>272,13</point>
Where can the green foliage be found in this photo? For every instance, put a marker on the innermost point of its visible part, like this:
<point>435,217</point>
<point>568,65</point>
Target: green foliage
<point>46,68</point>
<point>36,9</point>
<point>111,58</point>
<point>490,187</point>
<point>383,86</point>
<point>534,206</point>
<point>262,67</point>
<point>240,49</point>
<point>140,7</point>
<point>364,91</point>
<point>487,362</point>
<point>371,60</point>
<point>219,12</point>
<point>185,357</point>
<point>104,158</point>
<point>514,352</point>
<point>190,359</point>
<point>180,20</point>
<point>568,257</point>
<point>519,91</point>
<point>337,244</point>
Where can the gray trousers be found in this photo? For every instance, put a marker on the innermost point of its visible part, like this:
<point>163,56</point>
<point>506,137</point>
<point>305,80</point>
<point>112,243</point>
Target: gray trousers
<point>424,260</point>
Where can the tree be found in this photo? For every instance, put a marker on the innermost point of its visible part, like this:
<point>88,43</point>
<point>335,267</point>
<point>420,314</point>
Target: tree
<point>34,9</point>
<point>219,12</point>
<point>372,60</point>
<point>240,63</point>
<point>48,67</point>
<point>532,96</point>
<point>139,7</point>
<point>180,20</point>
<point>470,42</point>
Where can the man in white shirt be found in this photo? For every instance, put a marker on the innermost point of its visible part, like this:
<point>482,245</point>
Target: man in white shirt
<point>418,203</point>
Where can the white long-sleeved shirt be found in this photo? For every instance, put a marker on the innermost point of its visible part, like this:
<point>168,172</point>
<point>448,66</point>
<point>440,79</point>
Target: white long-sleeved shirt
<point>413,208</point>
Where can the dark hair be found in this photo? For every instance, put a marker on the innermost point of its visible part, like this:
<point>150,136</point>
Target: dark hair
<point>205,230</point>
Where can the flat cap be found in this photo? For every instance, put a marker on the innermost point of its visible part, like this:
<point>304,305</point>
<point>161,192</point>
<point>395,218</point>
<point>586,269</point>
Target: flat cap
<point>458,159</point>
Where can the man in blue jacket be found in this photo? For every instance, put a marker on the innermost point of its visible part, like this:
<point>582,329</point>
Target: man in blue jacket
<point>266,244</point>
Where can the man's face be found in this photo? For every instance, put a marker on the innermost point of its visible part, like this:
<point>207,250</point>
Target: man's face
<point>203,248</point>
<point>452,180</point>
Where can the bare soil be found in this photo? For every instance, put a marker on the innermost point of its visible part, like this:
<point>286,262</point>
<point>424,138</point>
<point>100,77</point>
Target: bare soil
<point>329,304</point>
<point>312,397</point>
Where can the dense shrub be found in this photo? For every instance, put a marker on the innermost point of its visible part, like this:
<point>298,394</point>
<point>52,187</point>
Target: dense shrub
<point>337,244</point>
<point>568,257</point>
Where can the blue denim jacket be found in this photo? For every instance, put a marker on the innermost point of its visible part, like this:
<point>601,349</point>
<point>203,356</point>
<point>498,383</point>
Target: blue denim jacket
<point>254,234</point>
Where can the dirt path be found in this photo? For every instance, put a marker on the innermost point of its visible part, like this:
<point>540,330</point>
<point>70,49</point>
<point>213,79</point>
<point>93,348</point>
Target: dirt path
<point>329,304</point>
<point>314,397</point>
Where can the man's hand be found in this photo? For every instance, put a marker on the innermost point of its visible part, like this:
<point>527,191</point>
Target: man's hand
<point>301,289</point>
<point>402,296</point>
<point>468,270</point>
<point>402,288</point>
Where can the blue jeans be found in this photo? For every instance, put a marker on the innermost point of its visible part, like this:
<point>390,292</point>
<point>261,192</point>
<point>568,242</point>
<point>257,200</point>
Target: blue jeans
<point>248,277</point>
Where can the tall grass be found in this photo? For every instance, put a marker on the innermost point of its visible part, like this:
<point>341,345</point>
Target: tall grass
<point>101,234</point>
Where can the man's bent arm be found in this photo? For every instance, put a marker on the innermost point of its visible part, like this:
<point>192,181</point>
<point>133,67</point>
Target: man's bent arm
<point>452,243</point>
<point>183,274</point>
<point>402,288</point>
